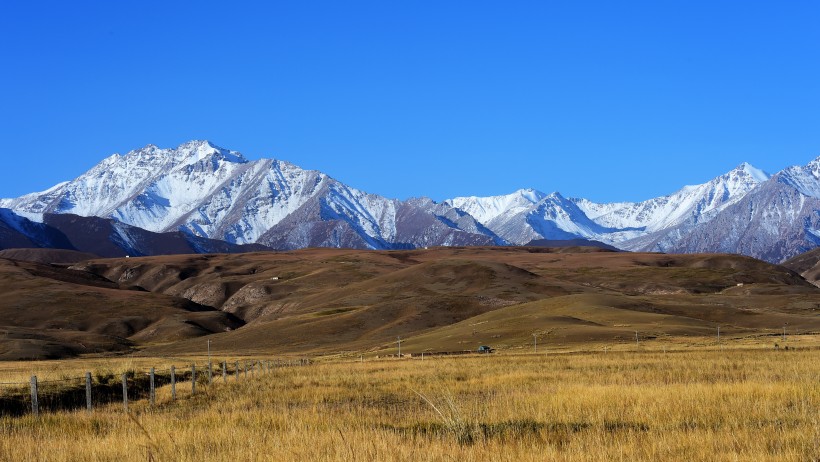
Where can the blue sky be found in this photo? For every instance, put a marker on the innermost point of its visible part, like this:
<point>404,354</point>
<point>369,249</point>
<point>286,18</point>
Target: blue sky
<point>606,100</point>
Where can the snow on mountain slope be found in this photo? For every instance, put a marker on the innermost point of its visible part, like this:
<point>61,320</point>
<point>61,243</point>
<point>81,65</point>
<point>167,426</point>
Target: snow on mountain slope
<point>805,179</point>
<point>486,209</point>
<point>551,217</point>
<point>774,222</point>
<point>211,192</point>
<point>527,214</point>
<point>145,187</point>
<point>694,203</point>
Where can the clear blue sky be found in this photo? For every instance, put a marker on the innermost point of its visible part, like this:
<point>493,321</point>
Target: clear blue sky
<point>600,99</point>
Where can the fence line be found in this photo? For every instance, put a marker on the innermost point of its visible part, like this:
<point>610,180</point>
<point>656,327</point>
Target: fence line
<point>19,398</point>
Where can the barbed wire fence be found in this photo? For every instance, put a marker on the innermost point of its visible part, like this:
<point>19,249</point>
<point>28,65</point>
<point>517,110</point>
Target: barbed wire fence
<point>18,398</point>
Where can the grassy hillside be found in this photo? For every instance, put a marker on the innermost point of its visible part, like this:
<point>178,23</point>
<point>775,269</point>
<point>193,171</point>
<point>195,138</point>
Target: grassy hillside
<point>698,405</point>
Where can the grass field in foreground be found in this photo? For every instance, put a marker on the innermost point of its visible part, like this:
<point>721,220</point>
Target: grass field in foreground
<point>698,405</point>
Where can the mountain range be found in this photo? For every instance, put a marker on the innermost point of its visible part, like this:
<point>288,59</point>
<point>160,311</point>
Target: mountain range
<point>204,194</point>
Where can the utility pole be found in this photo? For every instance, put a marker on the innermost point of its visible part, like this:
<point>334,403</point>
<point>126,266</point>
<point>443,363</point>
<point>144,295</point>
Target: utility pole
<point>636,338</point>
<point>399,337</point>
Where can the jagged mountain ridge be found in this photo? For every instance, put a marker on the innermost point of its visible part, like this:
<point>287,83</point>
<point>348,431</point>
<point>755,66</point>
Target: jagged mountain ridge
<point>210,192</point>
<point>745,211</point>
<point>534,215</point>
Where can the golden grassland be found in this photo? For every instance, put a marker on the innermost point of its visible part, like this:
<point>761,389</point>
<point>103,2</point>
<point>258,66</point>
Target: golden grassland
<point>703,404</point>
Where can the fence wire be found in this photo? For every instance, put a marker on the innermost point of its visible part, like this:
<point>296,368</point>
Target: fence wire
<point>67,393</point>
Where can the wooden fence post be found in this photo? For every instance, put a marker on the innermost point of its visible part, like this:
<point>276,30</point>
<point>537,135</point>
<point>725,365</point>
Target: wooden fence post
<point>88,391</point>
<point>173,384</point>
<point>125,392</point>
<point>245,363</point>
<point>224,371</point>
<point>35,403</point>
<point>152,394</point>
<point>210,373</point>
<point>237,371</point>
<point>193,379</point>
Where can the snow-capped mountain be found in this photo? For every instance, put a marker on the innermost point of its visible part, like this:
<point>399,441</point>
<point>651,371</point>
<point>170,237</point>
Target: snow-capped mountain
<point>744,211</point>
<point>487,209</point>
<point>211,192</point>
<point>775,221</point>
<point>526,215</point>
<point>696,203</point>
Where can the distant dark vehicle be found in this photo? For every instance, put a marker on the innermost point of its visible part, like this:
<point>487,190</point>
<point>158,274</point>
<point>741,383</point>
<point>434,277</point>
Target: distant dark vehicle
<point>485,349</point>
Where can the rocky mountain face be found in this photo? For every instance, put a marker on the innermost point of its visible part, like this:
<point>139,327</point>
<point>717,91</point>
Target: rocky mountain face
<point>210,192</point>
<point>532,215</point>
<point>207,192</point>
<point>744,211</point>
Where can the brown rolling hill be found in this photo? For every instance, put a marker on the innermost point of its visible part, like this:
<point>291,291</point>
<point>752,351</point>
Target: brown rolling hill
<point>51,312</point>
<point>331,300</point>
<point>806,264</point>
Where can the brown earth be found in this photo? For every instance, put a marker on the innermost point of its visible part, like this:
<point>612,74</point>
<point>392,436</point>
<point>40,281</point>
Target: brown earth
<point>331,300</point>
<point>51,312</point>
<point>807,264</point>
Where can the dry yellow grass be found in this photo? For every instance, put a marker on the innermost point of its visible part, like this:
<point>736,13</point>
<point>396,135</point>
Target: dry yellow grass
<point>698,405</point>
<point>21,371</point>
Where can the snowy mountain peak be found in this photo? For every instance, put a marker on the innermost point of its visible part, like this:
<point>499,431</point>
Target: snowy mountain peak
<point>208,191</point>
<point>195,151</point>
<point>748,170</point>
<point>186,153</point>
<point>530,194</point>
<point>805,179</point>
<point>814,167</point>
<point>486,209</point>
